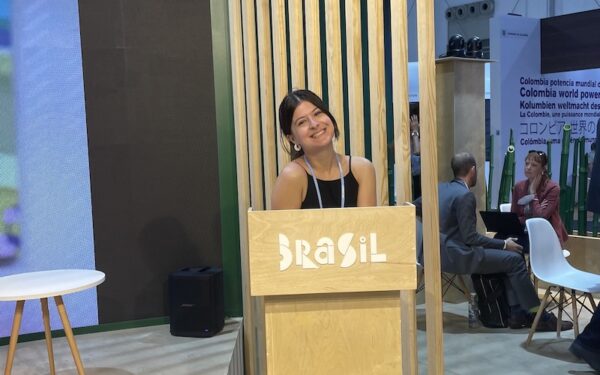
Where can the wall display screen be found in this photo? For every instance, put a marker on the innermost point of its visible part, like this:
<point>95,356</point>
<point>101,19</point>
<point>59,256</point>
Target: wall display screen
<point>9,209</point>
<point>534,105</point>
<point>45,208</point>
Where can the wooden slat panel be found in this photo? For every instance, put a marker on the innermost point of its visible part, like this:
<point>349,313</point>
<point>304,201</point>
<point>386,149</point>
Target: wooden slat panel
<point>243,179</point>
<point>254,152</point>
<point>252,104</point>
<point>355,81</point>
<point>313,46</point>
<point>402,171</point>
<point>279,70</point>
<point>431,240</point>
<point>377,93</point>
<point>297,44</point>
<point>267,112</point>
<point>334,67</point>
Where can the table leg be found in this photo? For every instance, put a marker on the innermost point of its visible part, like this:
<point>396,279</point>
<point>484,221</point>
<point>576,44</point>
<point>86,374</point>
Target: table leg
<point>48,334</point>
<point>14,336</point>
<point>69,333</point>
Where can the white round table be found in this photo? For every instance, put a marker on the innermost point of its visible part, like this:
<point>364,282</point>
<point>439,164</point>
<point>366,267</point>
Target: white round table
<point>41,285</point>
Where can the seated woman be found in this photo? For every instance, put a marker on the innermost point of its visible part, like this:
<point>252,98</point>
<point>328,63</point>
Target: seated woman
<point>317,176</point>
<point>538,196</point>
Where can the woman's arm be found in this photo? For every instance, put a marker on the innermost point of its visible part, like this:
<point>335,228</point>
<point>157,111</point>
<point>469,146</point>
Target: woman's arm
<point>547,203</point>
<point>364,171</point>
<point>517,194</point>
<point>290,188</point>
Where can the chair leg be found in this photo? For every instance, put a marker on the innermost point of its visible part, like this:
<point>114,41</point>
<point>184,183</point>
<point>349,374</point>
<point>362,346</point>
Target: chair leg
<point>465,289</point>
<point>420,280</point>
<point>69,333</point>
<point>538,315</point>
<point>48,334</point>
<point>575,317</point>
<point>561,301</point>
<point>592,302</point>
<point>14,336</point>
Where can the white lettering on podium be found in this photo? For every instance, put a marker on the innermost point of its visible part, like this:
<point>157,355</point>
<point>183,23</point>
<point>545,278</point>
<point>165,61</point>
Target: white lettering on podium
<point>325,252</point>
<point>285,252</point>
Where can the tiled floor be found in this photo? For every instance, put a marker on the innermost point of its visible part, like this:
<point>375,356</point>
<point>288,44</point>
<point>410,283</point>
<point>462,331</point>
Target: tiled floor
<point>499,351</point>
<point>143,351</point>
<point>152,350</point>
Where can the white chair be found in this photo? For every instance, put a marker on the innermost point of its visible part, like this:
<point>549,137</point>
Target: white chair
<point>549,265</point>
<point>505,207</point>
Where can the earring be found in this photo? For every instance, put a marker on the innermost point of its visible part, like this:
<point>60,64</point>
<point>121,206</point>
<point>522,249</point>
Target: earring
<point>297,147</point>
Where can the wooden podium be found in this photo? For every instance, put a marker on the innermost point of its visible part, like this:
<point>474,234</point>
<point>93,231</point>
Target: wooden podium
<point>330,280</point>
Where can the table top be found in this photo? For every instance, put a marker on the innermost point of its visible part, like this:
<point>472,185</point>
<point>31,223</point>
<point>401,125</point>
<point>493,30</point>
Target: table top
<point>43,284</point>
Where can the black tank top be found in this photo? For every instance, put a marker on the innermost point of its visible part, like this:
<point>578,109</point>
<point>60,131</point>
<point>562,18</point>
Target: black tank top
<point>331,191</point>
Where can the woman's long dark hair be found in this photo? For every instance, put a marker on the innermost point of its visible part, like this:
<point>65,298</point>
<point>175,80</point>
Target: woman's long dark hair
<point>286,112</point>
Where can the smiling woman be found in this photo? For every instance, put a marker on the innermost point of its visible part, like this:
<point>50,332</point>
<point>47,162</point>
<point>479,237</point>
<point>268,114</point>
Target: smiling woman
<point>317,176</point>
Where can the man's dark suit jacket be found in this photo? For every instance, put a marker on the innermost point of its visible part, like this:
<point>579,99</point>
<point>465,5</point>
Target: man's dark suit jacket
<point>461,246</point>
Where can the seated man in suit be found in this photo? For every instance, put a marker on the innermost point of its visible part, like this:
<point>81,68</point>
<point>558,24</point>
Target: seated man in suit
<point>464,251</point>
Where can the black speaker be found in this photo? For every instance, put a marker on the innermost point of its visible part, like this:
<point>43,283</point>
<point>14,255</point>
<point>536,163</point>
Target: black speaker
<point>196,302</point>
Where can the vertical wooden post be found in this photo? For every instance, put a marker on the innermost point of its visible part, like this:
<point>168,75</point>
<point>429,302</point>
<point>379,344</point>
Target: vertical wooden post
<point>429,186</point>
<point>377,99</point>
<point>313,46</point>
<point>355,81</point>
<point>252,104</point>
<point>267,120</point>
<point>243,178</point>
<point>296,44</point>
<point>334,67</point>
<point>280,75</point>
<point>402,167</point>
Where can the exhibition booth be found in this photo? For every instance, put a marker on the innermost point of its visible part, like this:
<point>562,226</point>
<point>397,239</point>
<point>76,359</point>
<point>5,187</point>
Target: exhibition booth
<point>141,142</point>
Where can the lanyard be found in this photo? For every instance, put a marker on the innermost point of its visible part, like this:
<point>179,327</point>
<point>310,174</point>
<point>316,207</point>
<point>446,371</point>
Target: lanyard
<point>312,172</point>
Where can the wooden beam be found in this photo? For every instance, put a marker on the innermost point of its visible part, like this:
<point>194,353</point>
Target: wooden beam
<point>297,44</point>
<point>252,104</point>
<point>377,99</point>
<point>279,71</point>
<point>313,46</point>
<point>334,67</point>
<point>243,178</point>
<point>355,80</point>
<point>402,167</point>
<point>267,111</point>
<point>429,186</point>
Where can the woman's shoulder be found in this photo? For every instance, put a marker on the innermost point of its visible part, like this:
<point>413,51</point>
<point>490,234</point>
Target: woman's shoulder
<point>293,171</point>
<point>290,187</point>
<point>362,168</point>
<point>360,162</point>
<point>521,184</point>
<point>520,188</point>
<point>551,185</point>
